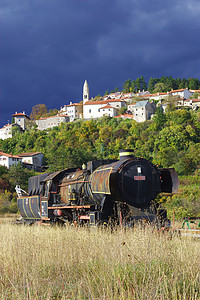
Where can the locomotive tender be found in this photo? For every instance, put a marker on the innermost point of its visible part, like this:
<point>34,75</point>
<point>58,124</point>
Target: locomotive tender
<point>104,190</point>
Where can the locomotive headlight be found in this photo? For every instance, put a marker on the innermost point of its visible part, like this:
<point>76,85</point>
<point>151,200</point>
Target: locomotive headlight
<point>139,170</point>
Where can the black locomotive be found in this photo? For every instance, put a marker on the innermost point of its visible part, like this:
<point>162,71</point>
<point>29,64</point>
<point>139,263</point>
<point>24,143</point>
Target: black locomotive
<point>104,190</point>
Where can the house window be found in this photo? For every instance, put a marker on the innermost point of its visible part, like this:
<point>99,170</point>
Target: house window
<point>99,110</point>
<point>103,109</point>
<point>89,110</point>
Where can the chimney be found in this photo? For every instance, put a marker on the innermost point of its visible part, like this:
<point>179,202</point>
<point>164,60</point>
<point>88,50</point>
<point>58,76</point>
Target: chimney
<point>24,112</point>
<point>70,103</point>
<point>125,154</point>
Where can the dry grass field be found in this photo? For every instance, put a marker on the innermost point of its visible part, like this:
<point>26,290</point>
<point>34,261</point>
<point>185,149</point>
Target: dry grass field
<point>78,263</point>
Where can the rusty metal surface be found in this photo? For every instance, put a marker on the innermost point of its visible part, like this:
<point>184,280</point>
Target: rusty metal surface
<point>72,181</point>
<point>100,180</point>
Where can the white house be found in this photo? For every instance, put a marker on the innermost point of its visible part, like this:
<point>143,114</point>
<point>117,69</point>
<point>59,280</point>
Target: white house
<point>7,131</point>
<point>92,109</point>
<point>73,110</point>
<point>108,110</point>
<point>33,159</point>
<point>8,160</point>
<point>21,119</point>
<point>50,122</point>
<point>183,93</point>
<point>192,103</point>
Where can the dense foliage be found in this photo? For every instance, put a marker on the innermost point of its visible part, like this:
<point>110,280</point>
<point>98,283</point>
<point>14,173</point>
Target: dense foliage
<point>169,140</point>
<point>163,84</point>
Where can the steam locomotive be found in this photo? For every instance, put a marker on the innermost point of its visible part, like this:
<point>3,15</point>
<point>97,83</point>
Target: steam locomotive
<point>102,191</point>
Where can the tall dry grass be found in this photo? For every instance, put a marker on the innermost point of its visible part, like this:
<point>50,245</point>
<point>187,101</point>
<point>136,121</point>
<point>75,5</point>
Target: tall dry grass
<point>71,263</point>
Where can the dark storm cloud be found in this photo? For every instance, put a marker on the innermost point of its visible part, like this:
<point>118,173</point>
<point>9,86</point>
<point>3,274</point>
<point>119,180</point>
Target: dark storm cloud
<point>49,47</point>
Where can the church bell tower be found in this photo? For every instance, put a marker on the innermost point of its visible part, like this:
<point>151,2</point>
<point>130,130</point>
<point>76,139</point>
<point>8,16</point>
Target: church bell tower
<point>85,92</point>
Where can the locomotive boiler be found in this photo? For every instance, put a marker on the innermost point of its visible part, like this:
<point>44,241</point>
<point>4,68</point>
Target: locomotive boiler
<point>102,191</point>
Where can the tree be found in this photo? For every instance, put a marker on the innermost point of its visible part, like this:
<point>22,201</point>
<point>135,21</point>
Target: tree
<point>138,84</point>
<point>122,110</point>
<point>193,84</point>
<point>159,87</point>
<point>160,118</point>
<point>133,86</point>
<point>152,82</point>
<point>143,85</point>
<point>38,111</point>
<point>116,89</point>
<point>126,86</point>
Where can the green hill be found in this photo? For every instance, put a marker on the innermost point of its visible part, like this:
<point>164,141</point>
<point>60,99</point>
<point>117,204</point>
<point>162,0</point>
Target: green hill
<point>170,140</point>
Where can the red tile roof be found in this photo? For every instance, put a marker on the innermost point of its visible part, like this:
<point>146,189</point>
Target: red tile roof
<point>73,104</point>
<point>195,91</point>
<point>29,154</point>
<point>9,155</point>
<point>175,91</point>
<point>125,116</point>
<point>107,106</point>
<point>103,101</point>
<point>20,115</point>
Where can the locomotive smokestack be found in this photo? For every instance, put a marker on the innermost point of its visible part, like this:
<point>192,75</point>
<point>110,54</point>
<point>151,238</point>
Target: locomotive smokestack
<point>126,154</point>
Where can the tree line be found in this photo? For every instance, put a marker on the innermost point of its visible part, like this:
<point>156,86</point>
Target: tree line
<point>154,85</point>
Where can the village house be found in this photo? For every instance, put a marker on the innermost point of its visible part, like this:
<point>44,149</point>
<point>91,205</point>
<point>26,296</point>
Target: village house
<point>51,122</point>
<point>108,110</point>
<point>7,131</point>
<point>21,119</point>
<point>8,160</point>
<point>93,109</point>
<point>143,110</point>
<point>73,111</point>
<point>182,93</point>
<point>191,103</point>
<point>33,160</point>
<point>116,95</point>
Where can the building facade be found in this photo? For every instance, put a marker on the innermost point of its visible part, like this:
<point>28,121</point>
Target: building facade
<point>21,119</point>
<point>33,160</point>
<point>8,160</point>
<point>6,131</point>
<point>73,111</point>
<point>143,110</point>
<point>51,122</point>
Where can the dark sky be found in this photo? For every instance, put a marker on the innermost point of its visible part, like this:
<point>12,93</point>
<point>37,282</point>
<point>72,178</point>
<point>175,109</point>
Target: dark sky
<point>49,47</point>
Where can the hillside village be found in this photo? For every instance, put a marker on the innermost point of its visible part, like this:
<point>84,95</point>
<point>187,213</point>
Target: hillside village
<point>139,106</point>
